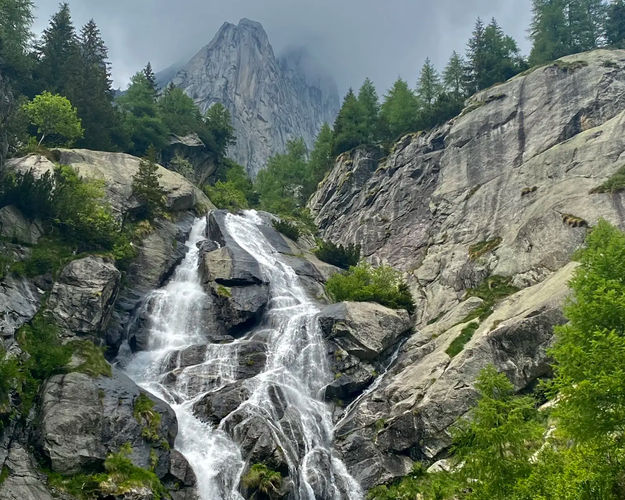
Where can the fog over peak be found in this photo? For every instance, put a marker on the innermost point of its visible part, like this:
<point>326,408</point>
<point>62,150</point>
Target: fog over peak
<point>350,39</point>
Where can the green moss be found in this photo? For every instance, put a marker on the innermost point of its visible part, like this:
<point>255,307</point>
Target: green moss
<point>528,190</point>
<point>224,291</point>
<point>150,419</point>
<point>614,184</point>
<point>260,478</point>
<point>457,345</point>
<point>4,474</point>
<point>472,107</point>
<point>380,423</point>
<point>92,359</point>
<point>574,221</point>
<point>491,290</point>
<point>483,247</point>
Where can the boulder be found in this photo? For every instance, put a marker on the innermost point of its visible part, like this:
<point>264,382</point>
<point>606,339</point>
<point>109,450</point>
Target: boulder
<point>24,481</point>
<point>20,299</point>
<point>363,329</point>
<point>116,170</point>
<point>82,298</point>
<point>191,148</point>
<point>82,419</point>
<point>14,226</point>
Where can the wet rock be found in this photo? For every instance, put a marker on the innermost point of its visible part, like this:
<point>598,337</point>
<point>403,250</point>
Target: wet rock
<point>24,481</point>
<point>82,419</point>
<point>363,329</point>
<point>82,298</point>
<point>20,299</point>
<point>14,226</point>
<point>180,470</point>
<point>215,406</point>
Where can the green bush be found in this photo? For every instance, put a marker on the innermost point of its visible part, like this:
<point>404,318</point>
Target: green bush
<point>417,484</point>
<point>364,283</point>
<point>147,189</point>
<point>338,255</point>
<point>233,190</point>
<point>92,360</point>
<point>32,195</point>
<point>48,256</point>
<point>260,478</point>
<point>145,415</point>
<point>288,229</point>
<point>614,184</point>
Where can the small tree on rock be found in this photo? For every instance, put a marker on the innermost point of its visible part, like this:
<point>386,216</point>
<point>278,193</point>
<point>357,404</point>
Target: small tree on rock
<point>147,189</point>
<point>53,114</point>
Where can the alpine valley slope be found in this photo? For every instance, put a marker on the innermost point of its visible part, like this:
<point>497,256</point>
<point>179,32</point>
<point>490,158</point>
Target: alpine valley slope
<point>505,189</point>
<point>271,100</point>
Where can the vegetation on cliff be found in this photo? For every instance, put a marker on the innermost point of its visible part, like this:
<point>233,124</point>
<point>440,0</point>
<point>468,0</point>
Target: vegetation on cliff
<point>574,448</point>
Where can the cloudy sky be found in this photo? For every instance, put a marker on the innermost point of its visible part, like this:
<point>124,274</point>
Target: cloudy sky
<point>381,39</point>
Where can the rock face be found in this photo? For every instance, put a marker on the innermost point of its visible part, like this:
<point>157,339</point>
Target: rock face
<point>82,299</point>
<point>14,226</point>
<point>116,171</point>
<point>7,104</point>
<point>271,100</point>
<point>504,189</point>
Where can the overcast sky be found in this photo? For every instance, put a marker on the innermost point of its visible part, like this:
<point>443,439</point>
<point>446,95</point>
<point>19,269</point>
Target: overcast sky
<point>381,39</point>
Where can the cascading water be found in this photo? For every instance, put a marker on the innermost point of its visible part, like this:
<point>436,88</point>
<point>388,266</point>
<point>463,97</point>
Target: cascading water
<point>286,397</point>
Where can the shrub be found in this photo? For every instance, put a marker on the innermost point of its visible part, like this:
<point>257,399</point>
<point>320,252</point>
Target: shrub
<point>338,255</point>
<point>150,419</point>
<point>92,360</point>
<point>364,283</point>
<point>227,195</point>
<point>260,478</point>
<point>147,189</point>
<point>48,256</point>
<point>287,228</point>
<point>32,195</point>
<point>614,184</point>
<point>417,484</point>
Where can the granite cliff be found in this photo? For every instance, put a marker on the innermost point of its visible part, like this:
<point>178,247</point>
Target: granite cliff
<point>271,99</point>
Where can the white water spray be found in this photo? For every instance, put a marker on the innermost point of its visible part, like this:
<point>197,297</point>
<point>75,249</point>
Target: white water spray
<point>296,371</point>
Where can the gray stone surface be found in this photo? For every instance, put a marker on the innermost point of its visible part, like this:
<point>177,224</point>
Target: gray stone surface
<point>20,299</point>
<point>82,298</point>
<point>24,481</point>
<point>14,226</point>
<point>270,100</point>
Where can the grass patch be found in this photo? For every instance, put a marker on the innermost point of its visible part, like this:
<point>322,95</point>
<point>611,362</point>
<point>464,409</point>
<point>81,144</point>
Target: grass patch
<point>224,291</point>
<point>260,478</point>
<point>574,221</point>
<point>145,415</point>
<point>50,255</point>
<point>457,345</point>
<point>417,484</point>
<point>93,362</point>
<point>483,247</point>
<point>491,290</point>
<point>121,476</point>
<point>614,184</point>
<point>4,474</point>
<point>570,67</point>
<point>287,228</point>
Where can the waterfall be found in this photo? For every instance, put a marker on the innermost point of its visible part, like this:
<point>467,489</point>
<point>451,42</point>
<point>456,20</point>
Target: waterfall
<point>285,399</point>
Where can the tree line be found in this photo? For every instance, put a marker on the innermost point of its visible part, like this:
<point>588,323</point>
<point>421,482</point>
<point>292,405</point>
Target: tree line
<point>74,65</point>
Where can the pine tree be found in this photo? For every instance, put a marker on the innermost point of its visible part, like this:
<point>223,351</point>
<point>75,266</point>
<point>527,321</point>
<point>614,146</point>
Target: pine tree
<point>347,128</point>
<point>369,110</point>
<point>586,18</point>
<point>141,116</point>
<point>217,131</point>
<point>615,24</point>
<point>92,92</point>
<point>180,114</point>
<point>453,76</point>
<point>429,85</point>
<point>146,187</point>
<point>150,77</point>
<point>321,160</point>
<point>58,54</point>
<point>16,18</point>
<point>400,110</point>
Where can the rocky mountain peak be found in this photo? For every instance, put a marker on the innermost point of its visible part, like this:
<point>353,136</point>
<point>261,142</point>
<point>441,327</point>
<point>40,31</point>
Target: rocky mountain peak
<point>271,100</point>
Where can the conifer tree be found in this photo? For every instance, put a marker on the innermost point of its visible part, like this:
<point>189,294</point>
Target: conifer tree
<point>58,54</point>
<point>453,76</point>
<point>369,110</point>
<point>429,85</point>
<point>321,159</point>
<point>16,18</point>
<point>400,110</point>
<point>146,187</point>
<point>347,129</point>
<point>141,116</point>
<point>217,131</point>
<point>150,77</point>
<point>615,24</point>
<point>92,92</point>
